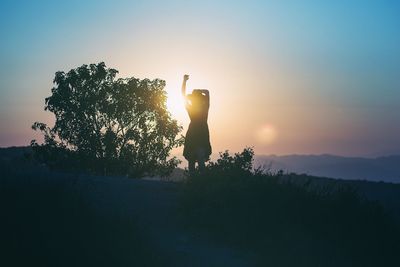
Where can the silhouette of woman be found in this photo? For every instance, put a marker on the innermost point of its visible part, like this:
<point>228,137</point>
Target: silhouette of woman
<point>197,142</point>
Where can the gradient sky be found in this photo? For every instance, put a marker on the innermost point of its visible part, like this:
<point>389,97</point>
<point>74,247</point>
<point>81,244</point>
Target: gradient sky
<point>305,77</point>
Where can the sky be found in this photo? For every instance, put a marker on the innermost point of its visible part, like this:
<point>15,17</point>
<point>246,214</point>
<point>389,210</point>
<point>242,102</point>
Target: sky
<point>285,77</point>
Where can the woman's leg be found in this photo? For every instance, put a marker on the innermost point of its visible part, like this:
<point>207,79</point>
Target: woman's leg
<point>201,164</point>
<point>192,167</point>
<point>201,159</point>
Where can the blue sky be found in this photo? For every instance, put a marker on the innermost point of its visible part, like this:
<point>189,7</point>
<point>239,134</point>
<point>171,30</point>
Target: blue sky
<point>320,76</point>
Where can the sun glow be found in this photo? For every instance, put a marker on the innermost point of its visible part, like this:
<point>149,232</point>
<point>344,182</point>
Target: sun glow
<point>175,105</point>
<point>175,101</point>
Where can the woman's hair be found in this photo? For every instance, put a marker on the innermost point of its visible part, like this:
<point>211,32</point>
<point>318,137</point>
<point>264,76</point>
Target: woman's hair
<point>198,92</point>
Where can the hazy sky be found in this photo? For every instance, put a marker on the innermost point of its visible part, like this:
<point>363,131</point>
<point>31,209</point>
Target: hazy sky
<point>284,76</point>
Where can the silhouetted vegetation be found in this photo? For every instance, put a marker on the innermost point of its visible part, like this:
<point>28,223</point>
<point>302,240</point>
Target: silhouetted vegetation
<point>285,223</point>
<point>106,125</point>
<point>50,224</point>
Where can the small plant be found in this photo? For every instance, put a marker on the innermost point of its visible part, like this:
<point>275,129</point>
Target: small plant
<point>239,163</point>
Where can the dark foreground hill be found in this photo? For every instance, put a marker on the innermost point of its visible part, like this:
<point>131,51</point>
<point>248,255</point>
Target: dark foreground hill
<point>58,219</point>
<point>293,220</point>
<point>220,218</point>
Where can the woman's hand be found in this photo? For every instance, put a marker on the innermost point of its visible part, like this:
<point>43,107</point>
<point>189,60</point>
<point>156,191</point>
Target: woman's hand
<point>183,90</point>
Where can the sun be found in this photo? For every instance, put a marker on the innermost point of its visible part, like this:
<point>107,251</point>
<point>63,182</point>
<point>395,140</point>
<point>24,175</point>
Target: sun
<point>175,105</point>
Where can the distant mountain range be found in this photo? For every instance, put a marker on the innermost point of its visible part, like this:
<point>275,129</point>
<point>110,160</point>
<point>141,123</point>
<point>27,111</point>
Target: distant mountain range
<point>385,169</point>
<point>8,153</point>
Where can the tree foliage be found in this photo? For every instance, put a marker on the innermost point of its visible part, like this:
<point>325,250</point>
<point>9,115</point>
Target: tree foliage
<point>108,125</point>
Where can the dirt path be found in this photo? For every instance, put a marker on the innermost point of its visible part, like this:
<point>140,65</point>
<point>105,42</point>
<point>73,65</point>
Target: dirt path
<point>153,206</point>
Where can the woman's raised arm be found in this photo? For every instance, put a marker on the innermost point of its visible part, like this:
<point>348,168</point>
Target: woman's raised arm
<point>207,95</point>
<point>185,78</point>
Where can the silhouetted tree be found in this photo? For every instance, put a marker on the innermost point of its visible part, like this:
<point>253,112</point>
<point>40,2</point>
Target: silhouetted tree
<point>108,125</point>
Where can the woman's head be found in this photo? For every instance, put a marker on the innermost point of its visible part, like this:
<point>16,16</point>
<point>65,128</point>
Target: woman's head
<point>196,98</point>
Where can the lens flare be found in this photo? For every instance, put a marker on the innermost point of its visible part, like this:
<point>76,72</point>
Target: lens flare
<point>267,134</point>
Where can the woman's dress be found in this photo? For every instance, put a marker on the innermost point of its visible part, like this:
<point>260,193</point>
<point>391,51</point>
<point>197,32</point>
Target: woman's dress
<point>197,141</point>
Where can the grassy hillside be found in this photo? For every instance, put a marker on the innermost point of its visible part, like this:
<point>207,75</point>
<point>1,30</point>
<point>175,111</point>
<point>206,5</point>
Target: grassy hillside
<point>286,223</point>
<point>279,219</point>
<point>46,223</point>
